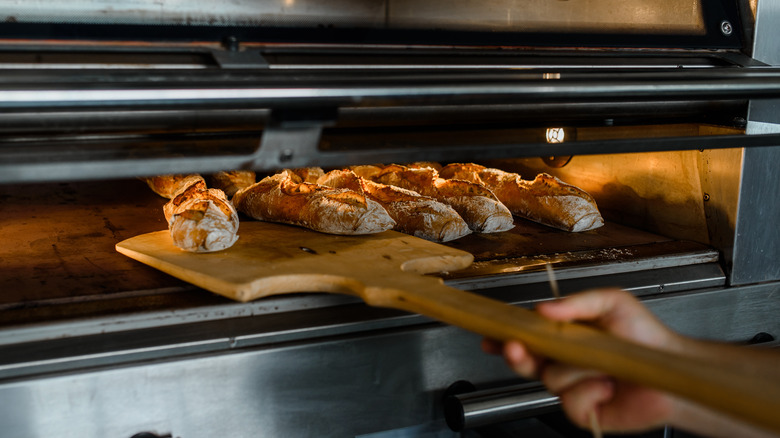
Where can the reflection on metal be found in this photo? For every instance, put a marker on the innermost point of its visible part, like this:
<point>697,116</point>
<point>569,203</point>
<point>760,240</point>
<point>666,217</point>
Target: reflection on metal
<point>634,16</point>
<point>481,408</point>
<point>347,385</point>
<point>557,161</point>
<point>756,244</point>
<point>645,16</point>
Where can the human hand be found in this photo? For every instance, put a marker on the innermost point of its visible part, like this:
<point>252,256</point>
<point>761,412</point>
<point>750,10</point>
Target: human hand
<point>619,406</point>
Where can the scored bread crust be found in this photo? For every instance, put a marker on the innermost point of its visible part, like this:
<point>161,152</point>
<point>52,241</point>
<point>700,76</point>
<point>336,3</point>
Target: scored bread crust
<point>308,174</point>
<point>367,171</point>
<point>285,198</point>
<point>201,219</point>
<point>476,204</point>
<point>231,181</point>
<point>546,199</point>
<point>168,186</point>
<point>414,214</point>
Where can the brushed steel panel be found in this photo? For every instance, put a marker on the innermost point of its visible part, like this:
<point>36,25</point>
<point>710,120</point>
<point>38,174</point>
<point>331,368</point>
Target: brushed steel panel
<point>757,238</point>
<point>338,386</point>
<point>342,387</point>
<point>198,12</point>
<point>653,16</point>
<point>766,46</point>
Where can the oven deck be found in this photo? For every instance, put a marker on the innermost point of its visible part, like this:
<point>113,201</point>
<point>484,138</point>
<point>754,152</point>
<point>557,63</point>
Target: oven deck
<point>61,268</point>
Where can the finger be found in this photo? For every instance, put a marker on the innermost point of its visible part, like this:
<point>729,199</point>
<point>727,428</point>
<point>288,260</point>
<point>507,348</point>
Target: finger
<point>522,361</point>
<point>585,397</point>
<point>593,305</point>
<point>559,377</point>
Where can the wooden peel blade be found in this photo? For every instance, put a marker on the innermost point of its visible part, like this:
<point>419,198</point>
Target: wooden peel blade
<point>385,271</point>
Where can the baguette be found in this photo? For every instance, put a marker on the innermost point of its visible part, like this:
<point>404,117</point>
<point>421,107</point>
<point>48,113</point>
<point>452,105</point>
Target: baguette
<point>424,164</point>
<point>285,198</point>
<point>477,205</point>
<point>201,219</point>
<point>232,181</point>
<point>309,174</point>
<point>413,213</point>
<point>168,186</point>
<point>367,171</point>
<point>546,200</point>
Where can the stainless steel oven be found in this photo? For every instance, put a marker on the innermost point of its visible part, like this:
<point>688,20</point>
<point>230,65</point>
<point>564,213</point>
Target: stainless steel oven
<point>668,112</point>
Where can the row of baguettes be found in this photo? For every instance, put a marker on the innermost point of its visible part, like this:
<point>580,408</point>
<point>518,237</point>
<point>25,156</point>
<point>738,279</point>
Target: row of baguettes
<point>424,199</point>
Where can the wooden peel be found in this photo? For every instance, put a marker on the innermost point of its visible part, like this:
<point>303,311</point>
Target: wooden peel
<point>385,271</point>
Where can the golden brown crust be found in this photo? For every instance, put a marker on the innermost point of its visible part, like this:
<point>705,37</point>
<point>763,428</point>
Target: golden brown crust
<point>308,174</point>
<point>283,198</point>
<point>201,219</point>
<point>168,186</point>
<point>413,214</point>
<point>546,199</point>
<point>231,181</point>
<point>424,164</point>
<point>477,205</point>
<point>367,171</point>
<point>462,171</point>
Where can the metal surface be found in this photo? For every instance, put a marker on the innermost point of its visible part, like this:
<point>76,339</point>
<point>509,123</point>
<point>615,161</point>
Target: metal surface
<point>756,249</point>
<point>204,88</point>
<point>71,161</point>
<point>169,359</point>
<point>756,244</point>
<point>342,384</point>
<point>320,99</point>
<point>766,47</point>
<point>57,346</point>
<point>201,12</point>
<point>656,16</point>
<point>479,408</point>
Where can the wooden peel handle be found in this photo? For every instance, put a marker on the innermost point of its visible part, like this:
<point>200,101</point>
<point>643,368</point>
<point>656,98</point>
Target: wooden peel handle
<point>722,385</point>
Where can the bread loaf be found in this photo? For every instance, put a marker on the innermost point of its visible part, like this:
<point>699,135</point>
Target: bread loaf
<point>285,198</point>
<point>232,181</point>
<point>413,213</point>
<point>477,205</point>
<point>309,174</point>
<point>367,171</point>
<point>201,219</point>
<point>424,164</point>
<point>168,186</point>
<point>546,199</point>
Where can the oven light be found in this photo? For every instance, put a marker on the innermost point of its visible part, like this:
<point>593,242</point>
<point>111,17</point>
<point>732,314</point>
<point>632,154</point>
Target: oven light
<point>555,135</point>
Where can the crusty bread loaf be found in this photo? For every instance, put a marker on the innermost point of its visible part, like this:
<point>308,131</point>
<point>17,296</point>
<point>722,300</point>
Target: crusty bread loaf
<point>413,213</point>
<point>168,186</point>
<point>231,181</point>
<point>284,198</point>
<point>546,199</point>
<point>201,219</point>
<point>367,171</point>
<point>424,164</point>
<point>477,205</point>
<point>308,174</point>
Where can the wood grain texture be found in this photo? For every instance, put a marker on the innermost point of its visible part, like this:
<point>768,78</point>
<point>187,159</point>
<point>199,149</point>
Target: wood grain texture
<point>271,258</point>
<point>385,271</point>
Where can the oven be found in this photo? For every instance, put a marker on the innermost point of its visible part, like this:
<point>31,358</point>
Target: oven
<point>665,111</point>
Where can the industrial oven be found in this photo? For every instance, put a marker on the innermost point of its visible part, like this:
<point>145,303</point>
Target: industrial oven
<point>665,111</point>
